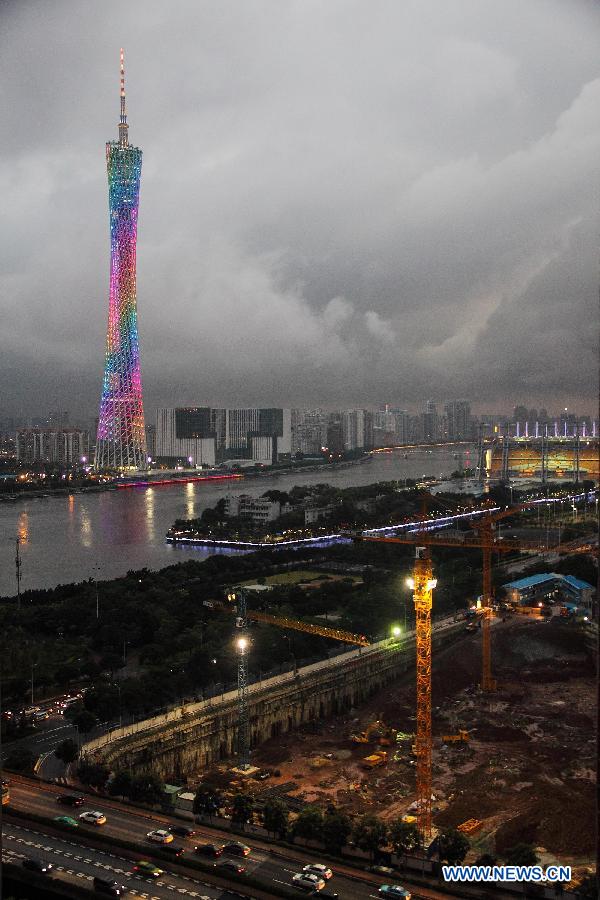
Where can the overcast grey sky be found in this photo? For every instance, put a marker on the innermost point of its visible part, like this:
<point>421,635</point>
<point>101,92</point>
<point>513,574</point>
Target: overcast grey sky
<point>342,202</point>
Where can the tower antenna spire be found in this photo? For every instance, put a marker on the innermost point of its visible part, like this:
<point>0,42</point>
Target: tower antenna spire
<point>123,126</point>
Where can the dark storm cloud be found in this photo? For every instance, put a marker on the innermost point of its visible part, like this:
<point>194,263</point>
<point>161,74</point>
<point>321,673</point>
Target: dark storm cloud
<point>341,202</point>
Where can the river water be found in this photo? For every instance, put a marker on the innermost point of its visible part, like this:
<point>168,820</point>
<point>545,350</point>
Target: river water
<point>64,538</point>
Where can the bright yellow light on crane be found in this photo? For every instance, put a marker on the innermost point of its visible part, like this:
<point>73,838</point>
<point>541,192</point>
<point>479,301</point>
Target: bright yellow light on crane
<point>431,584</point>
<point>396,631</point>
<point>242,644</point>
<point>410,582</point>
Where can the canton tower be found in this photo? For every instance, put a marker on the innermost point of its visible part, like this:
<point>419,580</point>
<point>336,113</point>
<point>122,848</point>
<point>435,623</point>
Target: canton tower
<point>121,439</point>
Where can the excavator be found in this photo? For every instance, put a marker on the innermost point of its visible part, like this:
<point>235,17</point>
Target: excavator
<point>378,731</point>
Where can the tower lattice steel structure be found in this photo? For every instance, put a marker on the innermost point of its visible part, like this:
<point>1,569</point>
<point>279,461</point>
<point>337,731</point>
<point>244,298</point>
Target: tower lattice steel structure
<point>121,439</point>
<point>423,583</point>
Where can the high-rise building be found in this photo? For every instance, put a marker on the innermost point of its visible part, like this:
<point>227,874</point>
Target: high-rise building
<point>121,441</point>
<point>459,426</point>
<point>357,429</point>
<point>430,423</point>
<point>55,446</point>
<point>201,435</point>
<point>309,431</point>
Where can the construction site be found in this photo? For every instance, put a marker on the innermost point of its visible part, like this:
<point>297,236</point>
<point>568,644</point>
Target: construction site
<point>517,765</point>
<point>495,737</point>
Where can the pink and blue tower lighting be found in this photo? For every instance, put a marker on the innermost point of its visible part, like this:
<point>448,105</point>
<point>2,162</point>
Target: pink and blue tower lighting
<point>121,439</point>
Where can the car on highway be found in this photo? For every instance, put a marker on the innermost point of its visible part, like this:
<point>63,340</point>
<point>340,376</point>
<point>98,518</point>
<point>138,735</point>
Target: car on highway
<point>173,850</point>
<point>394,890</point>
<point>66,821</point>
<point>307,882</point>
<point>160,836</point>
<point>213,850</point>
<point>109,887</point>
<point>381,870</point>
<point>318,869</point>
<point>236,848</point>
<point>70,800</point>
<point>148,869</point>
<point>182,831</point>
<point>93,817</point>
<point>34,864</point>
<point>231,865</point>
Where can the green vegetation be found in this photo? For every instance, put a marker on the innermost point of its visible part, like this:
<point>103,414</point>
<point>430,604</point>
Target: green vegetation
<point>452,846</point>
<point>369,834</point>
<point>276,817</point>
<point>404,837</point>
<point>67,750</point>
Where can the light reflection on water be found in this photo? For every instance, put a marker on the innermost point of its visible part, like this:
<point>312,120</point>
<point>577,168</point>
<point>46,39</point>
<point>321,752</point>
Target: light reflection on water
<point>64,537</point>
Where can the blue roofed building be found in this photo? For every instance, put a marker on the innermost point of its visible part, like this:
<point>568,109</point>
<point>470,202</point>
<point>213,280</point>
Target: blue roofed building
<point>549,587</point>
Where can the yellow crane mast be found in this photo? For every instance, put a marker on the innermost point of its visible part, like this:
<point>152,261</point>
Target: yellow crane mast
<point>422,584</point>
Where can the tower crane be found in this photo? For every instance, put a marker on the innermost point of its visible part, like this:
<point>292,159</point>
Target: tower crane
<point>238,605</point>
<point>422,584</point>
<point>488,541</point>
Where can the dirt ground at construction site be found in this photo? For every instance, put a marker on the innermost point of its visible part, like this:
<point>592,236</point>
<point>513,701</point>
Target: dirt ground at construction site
<point>525,769</point>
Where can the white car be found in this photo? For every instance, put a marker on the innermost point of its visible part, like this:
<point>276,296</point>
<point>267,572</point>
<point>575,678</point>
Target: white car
<point>319,870</point>
<point>308,882</point>
<point>93,817</point>
<point>160,836</point>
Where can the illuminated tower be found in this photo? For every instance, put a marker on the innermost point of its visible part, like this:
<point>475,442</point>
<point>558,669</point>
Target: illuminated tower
<point>121,440</point>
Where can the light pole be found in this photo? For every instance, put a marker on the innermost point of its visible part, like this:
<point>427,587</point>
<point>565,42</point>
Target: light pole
<point>96,570</point>
<point>118,687</point>
<point>18,565</point>
<point>33,665</point>
<point>292,654</point>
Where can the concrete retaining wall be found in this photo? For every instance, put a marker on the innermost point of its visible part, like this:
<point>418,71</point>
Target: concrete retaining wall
<point>187,739</point>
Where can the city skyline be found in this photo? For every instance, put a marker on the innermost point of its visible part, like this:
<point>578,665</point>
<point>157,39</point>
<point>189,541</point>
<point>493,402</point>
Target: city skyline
<point>311,236</point>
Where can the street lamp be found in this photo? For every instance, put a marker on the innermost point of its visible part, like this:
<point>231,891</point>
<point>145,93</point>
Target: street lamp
<point>118,687</point>
<point>33,665</point>
<point>96,570</point>
<point>292,654</point>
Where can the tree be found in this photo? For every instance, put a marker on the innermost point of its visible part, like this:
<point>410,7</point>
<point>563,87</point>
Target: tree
<point>243,807</point>
<point>521,855</point>
<point>404,837</point>
<point>453,846</point>
<point>85,721</point>
<point>93,774</point>
<point>275,817</point>
<point>67,750</point>
<point>369,834</point>
<point>147,789</point>
<point>20,761</point>
<point>207,802</point>
<point>309,824</point>
<point>336,830</point>
<point>120,786</point>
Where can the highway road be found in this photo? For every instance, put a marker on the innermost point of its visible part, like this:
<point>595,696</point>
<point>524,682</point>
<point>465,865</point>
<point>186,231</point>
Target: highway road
<point>73,859</point>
